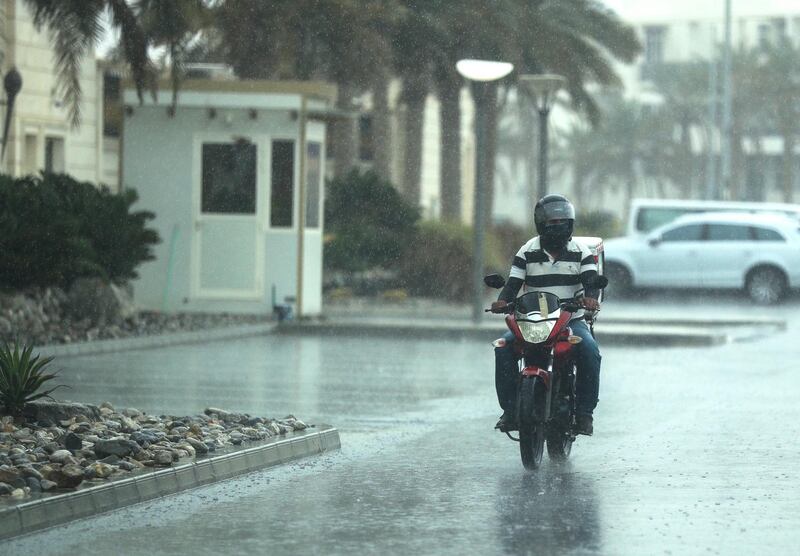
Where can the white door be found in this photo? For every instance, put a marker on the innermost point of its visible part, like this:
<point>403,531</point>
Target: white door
<point>228,243</point>
<point>730,249</point>
<point>674,260</point>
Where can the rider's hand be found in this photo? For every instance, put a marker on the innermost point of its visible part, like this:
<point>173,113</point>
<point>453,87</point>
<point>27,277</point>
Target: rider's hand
<point>499,306</point>
<point>591,304</point>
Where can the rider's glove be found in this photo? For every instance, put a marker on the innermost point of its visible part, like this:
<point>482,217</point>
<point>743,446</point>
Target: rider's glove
<point>591,304</point>
<point>499,306</point>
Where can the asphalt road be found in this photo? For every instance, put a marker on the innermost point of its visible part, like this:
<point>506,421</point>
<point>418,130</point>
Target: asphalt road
<point>694,451</point>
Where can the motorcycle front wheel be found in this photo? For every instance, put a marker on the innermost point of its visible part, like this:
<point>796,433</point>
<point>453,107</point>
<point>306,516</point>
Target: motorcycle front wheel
<point>531,430</point>
<point>559,443</point>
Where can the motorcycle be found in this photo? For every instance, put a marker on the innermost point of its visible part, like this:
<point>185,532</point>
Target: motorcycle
<point>545,404</point>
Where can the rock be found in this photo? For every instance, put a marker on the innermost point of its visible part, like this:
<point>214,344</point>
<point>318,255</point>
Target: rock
<point>199,447</point>
<point>101,470</point>
<point>127,466</point>
<point>143,439</point>
<point>186,447</point>
<point>31,472</point>
<point>68,476</point>
<point>107,405</point>
<point>18,493</point>
<point>73,442</point>
<point>131,412</point>
<point>118,446</point>
<point>34,484</point>
<point>60,456</point>
<point>163,458</point>
<point>110,460</point>
<point>97,301</point>
<point>5,488</point>
<point>8,474</point>
<point>56,412</point>
<point>47,485</point>
<point>143,455</point>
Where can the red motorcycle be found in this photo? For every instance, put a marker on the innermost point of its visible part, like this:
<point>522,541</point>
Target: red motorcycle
<point>545,406</point>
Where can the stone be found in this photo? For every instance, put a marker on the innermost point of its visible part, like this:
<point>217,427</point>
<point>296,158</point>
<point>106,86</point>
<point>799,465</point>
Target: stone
<point>163,458</point>
<point>236,438</point>
<point>57,412</point>
<point>69,476</point>
<point>60,456</point>
<point>8,474</point>
<point>18,493</point>
<point>110,460</point>
<point>30,472</point>
<point>131,412</point>
<point>73,442</point>
<point>101,470</point>
<point>107,405</point>
<point>5,488</point>
<point>47,485</point>
<point>199,447</point>
<point>127,465</point>
<point>34,484</point>
<point>118,446</point>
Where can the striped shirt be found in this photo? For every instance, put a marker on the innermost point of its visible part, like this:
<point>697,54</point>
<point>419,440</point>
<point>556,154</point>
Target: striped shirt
<point>540,271</point>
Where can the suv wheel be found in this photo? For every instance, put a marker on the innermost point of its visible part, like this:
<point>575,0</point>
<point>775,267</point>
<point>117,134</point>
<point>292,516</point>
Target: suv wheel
<point>620,282</point>
<point>766,285</point>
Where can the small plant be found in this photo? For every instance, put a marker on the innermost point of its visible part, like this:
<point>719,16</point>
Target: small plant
<point>21,376</point>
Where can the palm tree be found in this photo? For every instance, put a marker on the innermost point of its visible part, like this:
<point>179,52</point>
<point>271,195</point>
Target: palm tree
<point>76,26</point>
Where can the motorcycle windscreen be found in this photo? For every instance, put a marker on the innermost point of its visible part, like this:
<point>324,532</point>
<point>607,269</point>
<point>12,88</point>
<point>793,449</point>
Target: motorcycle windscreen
<point>535,302</point>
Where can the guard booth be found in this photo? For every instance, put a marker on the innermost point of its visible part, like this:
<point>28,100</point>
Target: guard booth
<point>234,175</point>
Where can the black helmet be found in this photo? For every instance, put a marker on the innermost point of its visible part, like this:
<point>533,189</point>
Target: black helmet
<point>554,207</point>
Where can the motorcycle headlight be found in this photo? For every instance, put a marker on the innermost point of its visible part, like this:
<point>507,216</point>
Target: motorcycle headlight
<point>534,332</point>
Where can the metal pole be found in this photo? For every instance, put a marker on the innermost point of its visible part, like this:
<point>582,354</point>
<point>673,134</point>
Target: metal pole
<point>543,139</point>
<point>301,209</point>
<point>725,157</point>
<point>479,94</point>
<point>711,162</point>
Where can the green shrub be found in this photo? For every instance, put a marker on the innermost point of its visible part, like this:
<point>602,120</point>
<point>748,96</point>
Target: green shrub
<point>367,222</point>
<point>438,261</point>
<point>54,229</point>
<point>21,376</point>
<point>597,223</point>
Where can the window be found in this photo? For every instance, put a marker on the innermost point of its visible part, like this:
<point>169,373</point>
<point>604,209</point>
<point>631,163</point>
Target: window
<point>728,232</point>
<point>54,155</point>
<point>766,234</point>
<point>654,44</point>
<point>366,145</point>
<point>229,178</point>
<point>653,217</point>
<point>31,165</point>
<point>313,183</point>
<point>282,196</point>
<point>692,232</point>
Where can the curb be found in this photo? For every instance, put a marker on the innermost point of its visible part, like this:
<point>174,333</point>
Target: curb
<point>607,333</point>
<point>160,340</point>
<point>56,509</point>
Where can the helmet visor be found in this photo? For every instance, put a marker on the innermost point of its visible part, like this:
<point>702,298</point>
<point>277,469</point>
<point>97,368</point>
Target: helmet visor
<point>557,210</point>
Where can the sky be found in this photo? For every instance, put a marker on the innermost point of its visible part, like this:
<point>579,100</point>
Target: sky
<point>644,10</point>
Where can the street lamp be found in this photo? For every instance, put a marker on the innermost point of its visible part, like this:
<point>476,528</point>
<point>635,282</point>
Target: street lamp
<point>543,88</point>
<point>480,73</point>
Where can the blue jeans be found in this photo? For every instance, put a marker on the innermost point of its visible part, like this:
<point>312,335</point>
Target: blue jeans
<point>587,359</point>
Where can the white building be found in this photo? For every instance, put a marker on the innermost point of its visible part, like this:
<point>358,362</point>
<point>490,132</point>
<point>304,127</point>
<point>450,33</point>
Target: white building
<point>41,136</point>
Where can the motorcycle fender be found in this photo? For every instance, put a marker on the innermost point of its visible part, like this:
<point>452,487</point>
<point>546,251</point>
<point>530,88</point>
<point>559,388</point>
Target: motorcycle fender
<point>541,373</point>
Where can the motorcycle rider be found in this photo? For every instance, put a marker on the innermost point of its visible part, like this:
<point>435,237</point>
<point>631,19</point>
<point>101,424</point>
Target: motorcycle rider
<point>552,262</point>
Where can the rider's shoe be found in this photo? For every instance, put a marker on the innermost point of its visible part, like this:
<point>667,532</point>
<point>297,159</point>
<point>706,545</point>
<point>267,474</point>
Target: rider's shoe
<point>583,425</point>
<point>506,422</point>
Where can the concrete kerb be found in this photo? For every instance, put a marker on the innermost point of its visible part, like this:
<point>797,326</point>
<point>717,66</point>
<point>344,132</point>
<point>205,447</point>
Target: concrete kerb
<point>49,510</point>
<point>609,332</point>
<point>160,340</point>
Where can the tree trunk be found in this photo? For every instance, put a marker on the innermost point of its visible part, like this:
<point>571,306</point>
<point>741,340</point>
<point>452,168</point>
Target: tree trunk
<point>450,161</point>
<point>382,128</point>
<point>788,167</point>
<point>344,133</point>
<point>492,114</point>
<point>414,94</point>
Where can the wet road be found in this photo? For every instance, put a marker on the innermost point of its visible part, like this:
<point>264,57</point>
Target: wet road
<point>694,452</point>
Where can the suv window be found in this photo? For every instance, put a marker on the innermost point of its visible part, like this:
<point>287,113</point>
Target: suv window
<point>728,232</point>
<point>766,234</point>
<point>691,232</point>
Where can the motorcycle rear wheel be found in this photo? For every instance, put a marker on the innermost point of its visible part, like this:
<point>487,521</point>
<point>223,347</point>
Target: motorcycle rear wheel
<point>531,431</point>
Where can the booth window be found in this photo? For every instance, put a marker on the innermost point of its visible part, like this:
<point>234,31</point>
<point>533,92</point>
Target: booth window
<point>313,183</point>
<point>54,155</point>
<point>229,178</point>
<point>282,195</point>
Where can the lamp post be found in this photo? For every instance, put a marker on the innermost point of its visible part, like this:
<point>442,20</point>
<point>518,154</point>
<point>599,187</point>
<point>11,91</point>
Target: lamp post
<point>543,88</point>
<point>480,73</point>
<point>12,83</point>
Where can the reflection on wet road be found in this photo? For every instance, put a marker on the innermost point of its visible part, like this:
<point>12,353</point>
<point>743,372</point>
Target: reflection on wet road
<point>694,452</point>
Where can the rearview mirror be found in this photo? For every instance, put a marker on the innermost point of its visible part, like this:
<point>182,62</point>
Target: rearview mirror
<point>494,281</point>
<point>654,241</point>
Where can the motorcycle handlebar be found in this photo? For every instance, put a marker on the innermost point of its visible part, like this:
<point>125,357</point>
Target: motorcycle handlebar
<point>566,305</point>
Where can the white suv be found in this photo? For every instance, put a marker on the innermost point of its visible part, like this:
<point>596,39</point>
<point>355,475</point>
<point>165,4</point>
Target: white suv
<point>757,252</point>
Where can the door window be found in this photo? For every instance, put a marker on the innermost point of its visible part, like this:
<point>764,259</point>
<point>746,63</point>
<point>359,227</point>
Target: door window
<point>766,234</point>
<point>728,232</point>
<point>229,178</point>
<point>691,232</point>
<point>282,196</point>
